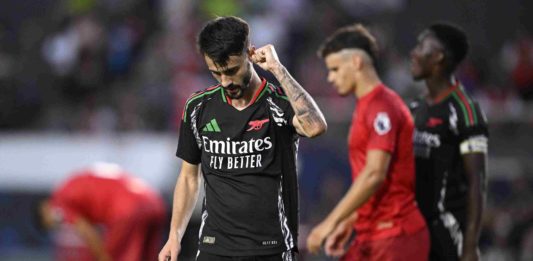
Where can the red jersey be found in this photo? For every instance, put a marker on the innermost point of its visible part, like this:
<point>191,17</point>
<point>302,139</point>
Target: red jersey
<point>102,196</point>
<point>382,121</point>
<point>131,214</point>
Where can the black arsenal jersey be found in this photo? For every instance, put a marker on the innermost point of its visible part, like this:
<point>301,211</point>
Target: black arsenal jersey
<point>444,131</point>
<point>248,161</point>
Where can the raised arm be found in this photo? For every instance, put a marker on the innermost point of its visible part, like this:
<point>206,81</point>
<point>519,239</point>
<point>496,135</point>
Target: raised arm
<point>308,119</point>
<point>185,196</point>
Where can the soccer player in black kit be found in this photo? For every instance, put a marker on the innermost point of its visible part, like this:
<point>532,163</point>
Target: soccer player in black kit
<point>243,135</point>
<point>451,140</point>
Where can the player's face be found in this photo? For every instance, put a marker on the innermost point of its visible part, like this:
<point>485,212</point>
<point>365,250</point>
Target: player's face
<point>425,56</point>
<point>341,72</point>
<point>234,77</point>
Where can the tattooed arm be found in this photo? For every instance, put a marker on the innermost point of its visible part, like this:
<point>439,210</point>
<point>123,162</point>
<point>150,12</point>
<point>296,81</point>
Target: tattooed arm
<point>308,119</point>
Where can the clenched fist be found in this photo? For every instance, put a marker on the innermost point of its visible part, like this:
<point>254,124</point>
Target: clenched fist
<point>266,57</point>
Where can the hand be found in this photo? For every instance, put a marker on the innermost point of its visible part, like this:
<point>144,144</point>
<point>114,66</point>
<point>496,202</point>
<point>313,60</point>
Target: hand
<point>170,250</point>
<point>266,57</point>
<point>317,236</point>
<point>335,245</point>
<point>471,255</point>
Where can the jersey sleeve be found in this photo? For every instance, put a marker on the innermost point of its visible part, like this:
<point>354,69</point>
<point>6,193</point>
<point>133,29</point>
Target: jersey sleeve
<point>279,104</point>
<point>189,139</point>
<point>383,125</point>
<point>289,111</point>
<point>471,127</point>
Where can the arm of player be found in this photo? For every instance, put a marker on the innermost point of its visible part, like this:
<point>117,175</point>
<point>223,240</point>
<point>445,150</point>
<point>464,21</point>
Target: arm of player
<point>366,184</point>
<point>308,119</point>
<point>335,244</point>
<point>92,238</point>
<point>475,169</point>
<point>185,196</point>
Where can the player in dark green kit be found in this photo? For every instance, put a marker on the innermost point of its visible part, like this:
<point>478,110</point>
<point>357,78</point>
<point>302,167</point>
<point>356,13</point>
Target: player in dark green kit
<point>451,143</point>
<point>243,135</point>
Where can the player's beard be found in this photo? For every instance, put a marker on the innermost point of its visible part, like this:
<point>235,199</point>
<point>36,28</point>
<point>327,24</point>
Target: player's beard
<point>237,91</point>
<point>419,68</point>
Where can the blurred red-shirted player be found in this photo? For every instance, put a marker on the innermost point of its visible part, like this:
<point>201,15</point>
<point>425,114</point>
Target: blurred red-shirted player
<point>380,204</point>
<point>117,215</point>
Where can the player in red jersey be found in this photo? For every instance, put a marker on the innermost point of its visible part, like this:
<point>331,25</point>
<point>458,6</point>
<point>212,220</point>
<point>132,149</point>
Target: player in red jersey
<point>131,214</point>
<point>380,204</point>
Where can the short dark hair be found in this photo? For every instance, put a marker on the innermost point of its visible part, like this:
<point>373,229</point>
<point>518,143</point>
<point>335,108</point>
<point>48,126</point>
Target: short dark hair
<point>351,36</point>
<point>222,37</point>
<point>454,40</point>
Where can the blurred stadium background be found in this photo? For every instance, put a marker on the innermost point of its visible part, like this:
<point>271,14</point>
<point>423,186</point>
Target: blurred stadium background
<point>88,80</point>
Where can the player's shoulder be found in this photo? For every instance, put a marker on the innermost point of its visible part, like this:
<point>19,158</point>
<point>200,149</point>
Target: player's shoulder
<point>387,99</point>
<point>466,106</point>
<point>393,96</point>
<point>198,98</point>
<point>461,98</point>
<point>274,92</point>
<point>210,91</point>
<point>201,95</point>
<point>77,180</point>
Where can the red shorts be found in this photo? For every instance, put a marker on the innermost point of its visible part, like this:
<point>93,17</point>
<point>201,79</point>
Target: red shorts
<point>412,247</point>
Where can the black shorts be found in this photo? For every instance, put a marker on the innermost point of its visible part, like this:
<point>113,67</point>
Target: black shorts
<point>446,237</point>
<point>285,256</point>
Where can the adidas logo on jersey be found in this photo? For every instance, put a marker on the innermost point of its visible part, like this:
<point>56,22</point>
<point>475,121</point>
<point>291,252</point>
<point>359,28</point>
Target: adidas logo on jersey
<point>211,126</point>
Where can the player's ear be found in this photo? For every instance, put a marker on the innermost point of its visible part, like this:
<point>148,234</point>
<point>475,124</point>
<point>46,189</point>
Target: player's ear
<point>250,51</point>
<point>357,61</point>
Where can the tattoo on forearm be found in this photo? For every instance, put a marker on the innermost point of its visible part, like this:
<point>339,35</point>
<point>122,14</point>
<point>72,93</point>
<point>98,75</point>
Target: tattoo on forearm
<point>305,108</point>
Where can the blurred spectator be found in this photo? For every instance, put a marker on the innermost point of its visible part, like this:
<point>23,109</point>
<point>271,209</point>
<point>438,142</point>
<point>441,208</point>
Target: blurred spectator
<point>523,70</point>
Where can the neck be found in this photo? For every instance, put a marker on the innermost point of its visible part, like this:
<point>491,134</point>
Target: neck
<point>253,85</point>
<point>367,82</point>
<point>438,85</point>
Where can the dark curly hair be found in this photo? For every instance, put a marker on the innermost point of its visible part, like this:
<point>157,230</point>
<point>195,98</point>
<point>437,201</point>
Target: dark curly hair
<point>223,37</point>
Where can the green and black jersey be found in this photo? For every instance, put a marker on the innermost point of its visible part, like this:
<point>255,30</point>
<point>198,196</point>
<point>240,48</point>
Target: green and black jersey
<point>444,131</point>
<point>248,161</point>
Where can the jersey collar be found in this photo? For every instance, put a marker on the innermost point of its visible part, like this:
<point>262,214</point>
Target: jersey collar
<point>256,94</point>
<point>445,93</point>
<point>372,93</point>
